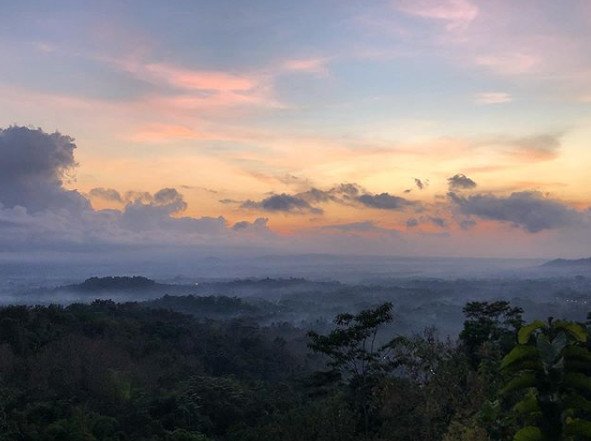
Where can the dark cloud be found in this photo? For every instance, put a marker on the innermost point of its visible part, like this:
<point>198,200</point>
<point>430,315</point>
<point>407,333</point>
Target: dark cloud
<point>435,220</point>
<point>282,203</point>
<point>260,224</point>
<point>242,225</point>
<point>421,184</point>
<point>107,194</point>
<point>314,195</point>
<point>138,196</point>
<point>229,201</point>
<point>147,212</point>
<point>342,194</point>
<point>384,201</point>
<point>529,210</point>
<point>33,167</point>
<point>438,221</point>
<point>346,194</point>
<point>460,182</point>
<point>205,189</point>
<point>348,189</point>
<point>466,224</point>
<point>304,201</point>
<point>170,199</point>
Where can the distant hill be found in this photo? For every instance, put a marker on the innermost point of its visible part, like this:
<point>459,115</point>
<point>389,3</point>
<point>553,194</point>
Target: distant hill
<point>137,288</point>
<point>569,263</point>
<point>115,284</point>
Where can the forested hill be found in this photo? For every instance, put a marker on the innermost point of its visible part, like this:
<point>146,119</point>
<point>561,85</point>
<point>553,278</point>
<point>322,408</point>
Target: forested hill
<point>126,372</point>
<point>146,286</point>
<point>311,304</point>
<point>566,263</point>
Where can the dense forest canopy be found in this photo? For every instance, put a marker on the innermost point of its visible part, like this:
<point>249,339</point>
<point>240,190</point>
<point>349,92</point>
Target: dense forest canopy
<point>144,371</point>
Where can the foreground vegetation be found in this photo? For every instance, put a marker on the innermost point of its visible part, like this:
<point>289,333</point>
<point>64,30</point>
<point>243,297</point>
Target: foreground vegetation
<point>109,371</point>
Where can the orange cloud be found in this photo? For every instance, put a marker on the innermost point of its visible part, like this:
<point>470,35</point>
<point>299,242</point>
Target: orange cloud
<point>165,133</point>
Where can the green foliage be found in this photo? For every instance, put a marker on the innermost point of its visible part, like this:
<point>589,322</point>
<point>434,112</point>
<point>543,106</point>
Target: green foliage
<point>519,354</point>
<point>354,352</point>
<point>526,331</point>
<point>529,433</point>
<point>352,347</point>
<point>465,431</point>
<point>547,372</point>
<point>489,329</point>
<point>114,372</point>
<point>133,372</point>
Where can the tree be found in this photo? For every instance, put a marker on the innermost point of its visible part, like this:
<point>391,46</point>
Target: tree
<point>356,355</point>
<point>547,372</point>
<point>489,329</point>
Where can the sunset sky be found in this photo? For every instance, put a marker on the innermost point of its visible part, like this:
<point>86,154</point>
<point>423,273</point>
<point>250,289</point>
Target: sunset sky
<point>411,127</point>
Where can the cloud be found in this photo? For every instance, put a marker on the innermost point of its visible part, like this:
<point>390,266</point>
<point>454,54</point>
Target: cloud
<point>160,133</point>
<point>228,201</point>
<point>345,193</point>
<point>492,98</point>
<point>363,227</point>
<point>349,194</point>
<point>108,194</point>
<point>33,167</point>
<point>348,189</point>
<point>435,220</point>
<point>314,195</point>
<point>186,88</point>
<point>38,213</point>
<point>420,184</point>
<point>460,182</point>
<point>529,210</point>
<point>455,14</point>
<point>170,199</point>
<point>466,224</point>
<point>512,63</point>
<point>538,147</point>
<point>317,66</point>
<point>384,201</point>
<point>342,193</point>
<point>438,221</point>
<point>282,203</point>
<point>199,80</point>
<point>260,224</point>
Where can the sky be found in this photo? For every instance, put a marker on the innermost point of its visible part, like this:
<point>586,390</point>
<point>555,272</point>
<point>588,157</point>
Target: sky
<point>400,127</point>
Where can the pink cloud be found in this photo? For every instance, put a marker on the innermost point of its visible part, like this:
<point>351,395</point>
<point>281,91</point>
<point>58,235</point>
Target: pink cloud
<point>201,88</point>
<point>307,65</point>
<point>509,63</point>
<point>197,79</point>
<point>456,14</point>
